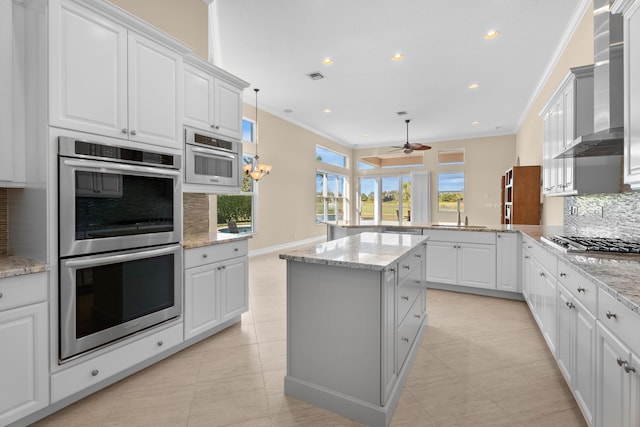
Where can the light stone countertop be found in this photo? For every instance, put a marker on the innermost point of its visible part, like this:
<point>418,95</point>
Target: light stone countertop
<point>367,251</point>
<point>207,239</point>
<point>11,266</point>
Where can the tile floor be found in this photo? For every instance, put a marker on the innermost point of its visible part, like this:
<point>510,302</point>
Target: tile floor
<point>482,363</point>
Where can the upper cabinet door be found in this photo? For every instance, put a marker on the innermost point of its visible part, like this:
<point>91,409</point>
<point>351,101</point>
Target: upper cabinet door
<point>88,77</point>
<point>155,100</point>
<point>632,93</point>
<point>228,109</point>
<point>198,98</point>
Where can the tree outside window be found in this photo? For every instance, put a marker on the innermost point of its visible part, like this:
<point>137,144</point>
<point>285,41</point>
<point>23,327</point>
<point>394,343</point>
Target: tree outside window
<point>450,190</point>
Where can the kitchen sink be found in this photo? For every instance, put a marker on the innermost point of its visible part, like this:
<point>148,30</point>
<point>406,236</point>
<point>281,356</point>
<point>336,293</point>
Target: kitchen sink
<point>461,227</point>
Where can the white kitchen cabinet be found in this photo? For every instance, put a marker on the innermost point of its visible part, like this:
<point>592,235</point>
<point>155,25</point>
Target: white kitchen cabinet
<point>210,102</point>
<point>631,27</point>
<point>545,288</point>
<point>617,382</point>
<point>528,271</point>
<point>24,358</point>
<point>216,286</point>
<point>463,258</point>
<point>508,262</point>
<point>108,79</point>
<point>575,350</point>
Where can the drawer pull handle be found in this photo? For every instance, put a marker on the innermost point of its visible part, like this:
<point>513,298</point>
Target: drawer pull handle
<point>406,298</point>
<point>581,289</point>
<point>204,255</point>
<point>628,369</point>
<point>133,132</point>
<point>542,274</point>
<point>0,294</point>
<point>621,362</point>
<point>417,316</point>
<point>570,304</point>
<point>95,373</point>
<point>392,270</point>
<point>563,274</point>
<point>405,267</point>
<point>418,256</point>
<point>529,247</point>
<point>160,343</point>
<point>125,130</point>
<point>526,257</point>
<point>236,249</point>
<point>610,315</point>
<point>405,339</point>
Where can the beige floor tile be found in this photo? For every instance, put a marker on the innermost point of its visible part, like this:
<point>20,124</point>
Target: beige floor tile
<point>273,355</point>
<point>230,362</point>
<point>237,335</point>
<point>271,331</point>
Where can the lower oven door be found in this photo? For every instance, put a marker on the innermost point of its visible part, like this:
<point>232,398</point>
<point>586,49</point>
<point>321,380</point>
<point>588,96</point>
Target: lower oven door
<point>210,166</point>
<point>106,297</point>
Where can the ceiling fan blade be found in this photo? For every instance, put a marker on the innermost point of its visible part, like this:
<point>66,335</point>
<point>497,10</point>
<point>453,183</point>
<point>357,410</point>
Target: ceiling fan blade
<point>421,147</point>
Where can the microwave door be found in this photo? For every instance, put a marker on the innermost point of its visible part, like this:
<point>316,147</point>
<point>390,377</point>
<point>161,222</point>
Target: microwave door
<point>208,166</point>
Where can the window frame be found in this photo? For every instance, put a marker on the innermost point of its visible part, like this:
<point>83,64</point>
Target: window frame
<point>343,200</point>
<point>378,208</point>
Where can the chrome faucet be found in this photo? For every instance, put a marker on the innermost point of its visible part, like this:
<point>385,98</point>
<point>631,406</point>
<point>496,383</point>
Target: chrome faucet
<point>458,209</point>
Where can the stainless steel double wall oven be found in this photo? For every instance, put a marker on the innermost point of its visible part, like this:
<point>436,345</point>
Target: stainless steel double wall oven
<point>120,232</point>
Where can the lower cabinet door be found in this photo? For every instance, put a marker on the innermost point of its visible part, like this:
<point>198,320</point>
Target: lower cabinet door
<point>442,262</point>
<point>24,358</point>
<point>201,295</point>
<point>584,372</point>
<point>612,381</point>
<point>477,265</point>
<point>234,292</point>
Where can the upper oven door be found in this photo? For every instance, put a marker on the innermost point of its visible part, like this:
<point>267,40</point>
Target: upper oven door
<point>211,166</point>
<point>106,206</point>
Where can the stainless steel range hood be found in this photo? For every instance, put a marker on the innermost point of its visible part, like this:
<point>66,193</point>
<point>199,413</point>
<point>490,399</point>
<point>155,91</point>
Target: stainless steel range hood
<point>608,89</point>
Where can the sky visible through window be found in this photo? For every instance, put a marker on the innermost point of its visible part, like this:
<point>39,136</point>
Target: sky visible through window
<point>330,157</point>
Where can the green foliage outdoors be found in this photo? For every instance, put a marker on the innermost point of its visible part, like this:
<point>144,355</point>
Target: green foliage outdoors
<point>234,208</point>
<point>449,201</point>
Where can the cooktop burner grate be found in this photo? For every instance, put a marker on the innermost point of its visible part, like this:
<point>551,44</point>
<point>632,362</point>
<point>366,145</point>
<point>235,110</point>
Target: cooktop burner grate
<point>592,244</point>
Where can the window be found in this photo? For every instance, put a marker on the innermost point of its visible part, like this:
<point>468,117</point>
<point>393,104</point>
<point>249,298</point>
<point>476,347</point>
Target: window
<point>450,191</point>
<point>390,161</point>
<point>330,157</point>
<point>239,208</point>
<point>248,130</point>
<point>331,203</point>
<point>451,157</point>
<point>385,198</point>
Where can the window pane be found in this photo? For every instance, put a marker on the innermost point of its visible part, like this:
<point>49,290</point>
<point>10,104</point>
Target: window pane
<point>390,200</point>
<point>247,130</point>
<point>235,208</point>
<point>368,191</point>
<point>319,209</point>
<point>331,208</point>
<point>247,182</point>
<point>451,157</point>
<point>365,166</point>
<point>325,155</point>
<point>319,184</point>
<point>450,190</point>
<point>332,185</point>
<point>406,198</point>
<point>341,185</point>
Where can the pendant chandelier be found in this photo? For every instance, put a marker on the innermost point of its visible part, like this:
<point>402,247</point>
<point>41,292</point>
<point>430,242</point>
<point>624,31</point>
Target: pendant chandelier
<point>257,170</point>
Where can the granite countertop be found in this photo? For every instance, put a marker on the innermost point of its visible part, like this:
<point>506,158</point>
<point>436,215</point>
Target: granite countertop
<point>11,266</point>
<point>368,251</point>
<point>192,241</point>
<point>449,226</point>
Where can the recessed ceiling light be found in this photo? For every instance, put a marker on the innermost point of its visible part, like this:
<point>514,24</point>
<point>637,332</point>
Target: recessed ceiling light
<point>288,111</point>
<point>327,61</point>
<point>475,123</point>
<point>365,135</point>
<point>326,110</point>
<point>491,34</point>
<point>473,86</point>
<point>397,57</point>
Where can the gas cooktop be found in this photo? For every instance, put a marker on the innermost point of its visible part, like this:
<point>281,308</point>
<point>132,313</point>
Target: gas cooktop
<point>592,244</point>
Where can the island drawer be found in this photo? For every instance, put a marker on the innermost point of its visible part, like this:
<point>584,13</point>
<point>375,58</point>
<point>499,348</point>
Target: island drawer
<point>214,253</point>
<point>17,291</point>
<point>410,266</point>
<point>407,293</point>
<point>620,320</point>
<point>581,288</point>
<point>408,329</point>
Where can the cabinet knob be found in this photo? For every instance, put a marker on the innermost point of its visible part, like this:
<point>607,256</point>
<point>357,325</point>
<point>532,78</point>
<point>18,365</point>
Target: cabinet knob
<point>611,315</point>
<point>215,127</point>
<point>542,274</point>
<point>404,297</point>
<point>406,267</point>
<point>529,247</point>
<point>570,304</point>
<point>563,274</point>
<point>160,343</point>
<point>620,361</point>
<point>405,339</point>
<point>417,316</point>
<point>0,294</point>
<point>628,369</point>
<point>526,257</point>
<point>581,289</point>
<point>204,255</point>
<point>95,373</point>
<point>133,132</point>
<point>418,256</point>
<point>236,249</point>
<point>499,236</point>
<point>125,130</point>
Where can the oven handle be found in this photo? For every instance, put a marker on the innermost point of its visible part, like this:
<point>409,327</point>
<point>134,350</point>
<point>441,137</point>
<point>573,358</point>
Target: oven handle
<point>209,152</point>
<point>103,167</point>
<point>112,259</point>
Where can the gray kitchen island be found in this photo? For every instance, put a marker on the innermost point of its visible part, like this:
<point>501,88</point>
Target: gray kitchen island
<point>356,312</point>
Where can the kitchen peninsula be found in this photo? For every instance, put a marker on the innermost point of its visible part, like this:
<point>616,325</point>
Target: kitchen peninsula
<point>355,316</point>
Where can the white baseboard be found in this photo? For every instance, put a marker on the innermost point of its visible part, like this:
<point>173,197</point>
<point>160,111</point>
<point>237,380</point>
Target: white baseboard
<point>285,246</point>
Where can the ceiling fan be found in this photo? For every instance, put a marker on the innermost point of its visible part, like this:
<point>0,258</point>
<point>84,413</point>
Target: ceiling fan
<point>409,148</point>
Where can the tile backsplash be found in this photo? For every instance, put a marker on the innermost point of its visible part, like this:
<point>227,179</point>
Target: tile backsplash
<point>196,213</point>
<point>4,213</point>
<point>603,215</point>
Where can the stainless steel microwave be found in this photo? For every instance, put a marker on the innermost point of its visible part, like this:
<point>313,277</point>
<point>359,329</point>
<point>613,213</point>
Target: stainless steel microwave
<point>211,160</point>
